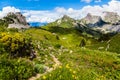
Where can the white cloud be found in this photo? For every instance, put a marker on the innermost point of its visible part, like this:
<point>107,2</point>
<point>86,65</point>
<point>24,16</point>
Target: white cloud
<point>52,15</point>
<point>8,9</point>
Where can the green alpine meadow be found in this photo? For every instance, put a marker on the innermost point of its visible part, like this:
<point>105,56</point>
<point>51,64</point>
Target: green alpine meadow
<point>64,49</point>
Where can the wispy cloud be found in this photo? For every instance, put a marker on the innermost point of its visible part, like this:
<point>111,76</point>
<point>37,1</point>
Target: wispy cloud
<point>87,1</point>
<point>8,9</point>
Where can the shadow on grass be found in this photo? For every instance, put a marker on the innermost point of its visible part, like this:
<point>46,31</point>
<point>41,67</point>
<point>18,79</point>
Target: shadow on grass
<point>61,30</point>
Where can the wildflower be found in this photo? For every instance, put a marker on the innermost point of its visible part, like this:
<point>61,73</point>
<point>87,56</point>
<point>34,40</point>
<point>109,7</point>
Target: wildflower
<point>60,66</point>
<point>44,77</point>
<point>73,76</point>
<point>76,77</point>
<point>70,70</point>
<point>50,75</point>
<point>74,72</point>
<point>60,76</point>
<point>97,79</point>
<point>53,65</point>
<point>67,66</point>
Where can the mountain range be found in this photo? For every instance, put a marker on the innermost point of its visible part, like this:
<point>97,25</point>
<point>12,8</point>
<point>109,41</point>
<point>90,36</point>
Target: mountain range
<point>109,22</point>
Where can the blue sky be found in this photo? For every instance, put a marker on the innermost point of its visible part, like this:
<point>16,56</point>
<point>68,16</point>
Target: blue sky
<point>49,4</point>
<point>51,10</point>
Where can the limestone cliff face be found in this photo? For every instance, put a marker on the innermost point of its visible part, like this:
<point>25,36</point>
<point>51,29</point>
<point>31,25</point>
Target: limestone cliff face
<point>16,20</point>
<point>111,17</point>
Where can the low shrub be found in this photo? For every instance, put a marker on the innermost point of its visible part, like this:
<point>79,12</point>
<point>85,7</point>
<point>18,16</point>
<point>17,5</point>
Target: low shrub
<point>16,44</point>
<point>15,69</point>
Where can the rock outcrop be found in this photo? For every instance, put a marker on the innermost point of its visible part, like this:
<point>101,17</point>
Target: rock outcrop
<point>16,20</point>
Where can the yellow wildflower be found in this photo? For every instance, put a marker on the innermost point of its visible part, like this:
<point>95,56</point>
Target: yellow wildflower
<point>73,76</point>
<point>74,72</point>
<point>50,75</point>
<point>70,70</point>
<point>76,77</point>
<point>67,66</point>
<point>60,66</point>
<point>44,77</point>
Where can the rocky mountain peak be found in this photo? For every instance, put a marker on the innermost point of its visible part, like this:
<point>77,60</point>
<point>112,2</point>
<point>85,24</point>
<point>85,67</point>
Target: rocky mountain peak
<point>67,18</point>
<point>89,16</point>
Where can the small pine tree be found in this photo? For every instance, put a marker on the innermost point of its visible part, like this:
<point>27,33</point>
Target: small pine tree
<point>82,43</point>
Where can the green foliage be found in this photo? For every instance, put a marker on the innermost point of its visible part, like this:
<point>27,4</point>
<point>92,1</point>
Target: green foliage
<point>13,30</point>
<point>1,48</point>
<point>106,37</point>
<point>15,69</point>
<point>57,46</point>
<point>16,44</point>
<point>3,23</point>
<point>39,68</point>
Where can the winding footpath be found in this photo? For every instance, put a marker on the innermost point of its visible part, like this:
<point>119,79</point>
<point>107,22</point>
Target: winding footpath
<point>57,64</point>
